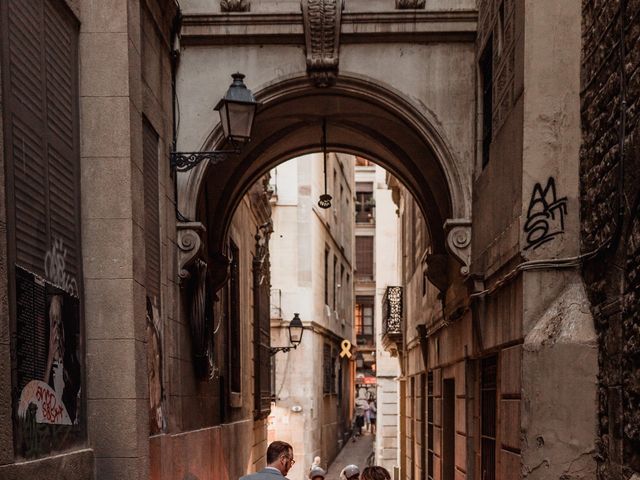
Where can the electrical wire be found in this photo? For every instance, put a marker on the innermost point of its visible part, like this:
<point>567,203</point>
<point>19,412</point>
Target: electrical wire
<point>544,264</point>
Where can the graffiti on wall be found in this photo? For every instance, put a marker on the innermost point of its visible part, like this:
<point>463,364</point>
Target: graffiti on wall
<point>55,268</point>
<point>48,368</point>
<point>545,215</point>
<point>157,421</point>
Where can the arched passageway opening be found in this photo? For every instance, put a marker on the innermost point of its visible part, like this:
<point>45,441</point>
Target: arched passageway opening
<point>363,118</point>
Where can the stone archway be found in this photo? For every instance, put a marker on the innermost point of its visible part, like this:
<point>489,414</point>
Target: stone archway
<point>363,117</point>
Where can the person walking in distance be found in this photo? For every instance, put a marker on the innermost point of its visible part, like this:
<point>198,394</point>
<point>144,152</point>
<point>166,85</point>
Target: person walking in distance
<point>371,413</point>
<point>279,462</point>
<point>361,406</point>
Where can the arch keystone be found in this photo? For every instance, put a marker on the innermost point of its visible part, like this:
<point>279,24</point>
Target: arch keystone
<point>322,21</point>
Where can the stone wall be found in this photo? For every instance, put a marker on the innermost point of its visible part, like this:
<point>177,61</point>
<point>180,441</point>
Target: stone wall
<point>613,276</point>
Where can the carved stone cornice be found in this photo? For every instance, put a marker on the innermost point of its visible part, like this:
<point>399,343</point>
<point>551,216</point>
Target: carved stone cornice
<point>458,243</point>
<point>322,20</point>
<point>235,5</point>
<point>409,4</point>
<point>190,246</point>
<point>356,27</point>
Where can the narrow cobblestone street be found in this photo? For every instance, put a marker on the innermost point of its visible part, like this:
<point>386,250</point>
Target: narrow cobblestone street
<point>357,453</point>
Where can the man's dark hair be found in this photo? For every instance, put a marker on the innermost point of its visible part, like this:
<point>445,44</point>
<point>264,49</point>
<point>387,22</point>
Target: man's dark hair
<point>276,449</point>
<point>375,473</point>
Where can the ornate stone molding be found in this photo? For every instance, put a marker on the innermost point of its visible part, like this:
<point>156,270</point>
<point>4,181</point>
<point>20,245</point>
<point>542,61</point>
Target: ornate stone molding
<point>409,4</point>
<point>235,5</point>
<point>355,27</point>
<point>458,243</point>
<point>322,20</point>
<point>190,246</point>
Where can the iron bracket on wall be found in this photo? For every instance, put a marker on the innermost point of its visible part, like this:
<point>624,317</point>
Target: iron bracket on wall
<point>274,350</point>
<point>185,161</point>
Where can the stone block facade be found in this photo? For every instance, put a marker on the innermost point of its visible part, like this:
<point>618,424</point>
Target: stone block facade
<point>610,227</point>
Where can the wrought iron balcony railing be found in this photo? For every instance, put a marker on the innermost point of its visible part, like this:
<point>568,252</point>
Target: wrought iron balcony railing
<point>392,320</point>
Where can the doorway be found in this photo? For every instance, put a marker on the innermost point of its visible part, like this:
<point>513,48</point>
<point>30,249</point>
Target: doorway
<point>448,428</point>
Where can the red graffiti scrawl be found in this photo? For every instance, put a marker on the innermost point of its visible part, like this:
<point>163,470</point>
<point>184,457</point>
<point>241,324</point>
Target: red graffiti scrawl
<point>50,408</point>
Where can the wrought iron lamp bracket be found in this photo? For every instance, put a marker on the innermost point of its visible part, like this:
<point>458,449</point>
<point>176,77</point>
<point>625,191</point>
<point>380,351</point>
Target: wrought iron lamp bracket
<point>185,161</point>
<point>274,350</point>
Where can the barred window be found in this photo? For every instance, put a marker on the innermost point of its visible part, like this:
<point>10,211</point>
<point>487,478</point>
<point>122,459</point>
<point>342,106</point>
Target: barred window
<point>327,369</point>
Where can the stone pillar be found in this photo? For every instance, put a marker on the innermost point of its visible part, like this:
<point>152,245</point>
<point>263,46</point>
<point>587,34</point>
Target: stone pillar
<point>113,240</point>
<point>559,355</point>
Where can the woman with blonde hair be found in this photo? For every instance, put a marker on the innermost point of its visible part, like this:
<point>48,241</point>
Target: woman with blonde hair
<point>375,473</point>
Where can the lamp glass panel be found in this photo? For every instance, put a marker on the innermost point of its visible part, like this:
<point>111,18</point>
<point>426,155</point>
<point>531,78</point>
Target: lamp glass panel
<point>224,118</point>
<point>295,334</point>
<point>240,119</point>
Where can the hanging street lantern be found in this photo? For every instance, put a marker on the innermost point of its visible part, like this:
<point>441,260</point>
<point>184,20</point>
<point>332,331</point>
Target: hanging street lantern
<point>237,111</point>
<point>296,329</point>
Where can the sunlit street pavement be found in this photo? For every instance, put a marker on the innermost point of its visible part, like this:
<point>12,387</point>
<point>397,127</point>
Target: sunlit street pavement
<point>357,453</point>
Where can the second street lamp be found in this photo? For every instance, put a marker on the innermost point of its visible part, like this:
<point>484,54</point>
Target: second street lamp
<point>296,329</point>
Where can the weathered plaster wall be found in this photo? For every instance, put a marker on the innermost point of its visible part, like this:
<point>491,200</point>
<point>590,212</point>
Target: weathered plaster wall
<point>387,274</point>
<point>612,277</point>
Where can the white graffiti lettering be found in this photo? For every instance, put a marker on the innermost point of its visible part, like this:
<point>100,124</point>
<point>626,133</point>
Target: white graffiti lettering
<point>55,266</point>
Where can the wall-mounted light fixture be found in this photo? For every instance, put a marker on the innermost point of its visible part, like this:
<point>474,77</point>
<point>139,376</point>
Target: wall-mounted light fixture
<point>359,361</point>
<point>237,111</point>
<point>296,329</point>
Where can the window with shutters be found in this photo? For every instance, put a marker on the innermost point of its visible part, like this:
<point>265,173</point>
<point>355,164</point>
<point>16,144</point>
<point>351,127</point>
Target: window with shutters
<point>327,364</point>
<point>40,118</point>
<point>341,294</point>
<point>151,212</point>
<point>233,319</point>
<point>430,432</point>
<point>326,276</point>
<point>488,400</point>
<point>365,203</point>
<point>486,83</point>
<point>264,363</point>
<point>364,257</point>
<point>364,320</point>
<point>422,419</point>
<point>150,157</point>
<point>335,282</point>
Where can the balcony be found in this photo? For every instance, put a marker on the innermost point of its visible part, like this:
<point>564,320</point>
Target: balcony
<point>392,320</point>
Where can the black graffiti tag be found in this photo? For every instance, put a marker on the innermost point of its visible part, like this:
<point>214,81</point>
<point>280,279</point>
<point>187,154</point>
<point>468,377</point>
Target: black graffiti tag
<point>545,215</point>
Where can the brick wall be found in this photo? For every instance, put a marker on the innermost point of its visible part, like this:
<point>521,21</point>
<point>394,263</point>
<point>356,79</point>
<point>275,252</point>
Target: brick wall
<point>613,276</point>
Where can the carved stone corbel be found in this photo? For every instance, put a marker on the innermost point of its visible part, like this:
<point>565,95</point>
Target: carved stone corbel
<point>409,4</point>
<point>235,5</point>
<point>190,246</point>
<point>458,233</point>
<point>438,270</point>
<point>322,20</point>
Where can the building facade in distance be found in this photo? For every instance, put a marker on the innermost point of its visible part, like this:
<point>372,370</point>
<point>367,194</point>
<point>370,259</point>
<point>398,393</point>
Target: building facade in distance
<point>312,274</point>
